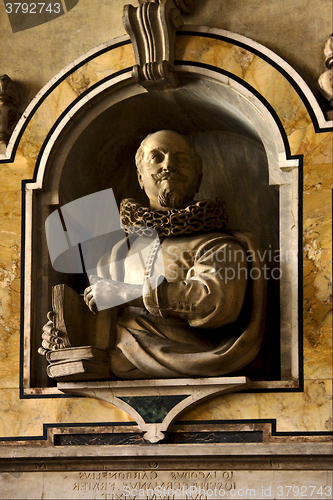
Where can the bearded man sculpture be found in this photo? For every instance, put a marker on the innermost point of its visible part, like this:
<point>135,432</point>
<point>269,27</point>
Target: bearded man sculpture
<point>193,308</point>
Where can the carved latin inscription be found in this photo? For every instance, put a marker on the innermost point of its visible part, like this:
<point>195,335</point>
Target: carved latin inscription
<point>187,484</point>
<point>111,485</point>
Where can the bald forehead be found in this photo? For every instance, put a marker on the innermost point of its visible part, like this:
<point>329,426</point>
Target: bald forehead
<point>166,139</point>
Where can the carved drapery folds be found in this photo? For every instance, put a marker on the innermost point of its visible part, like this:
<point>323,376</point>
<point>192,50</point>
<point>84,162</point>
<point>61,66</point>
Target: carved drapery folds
<point>152,28</point>
<point>9,115</point>
<point>325,80</point>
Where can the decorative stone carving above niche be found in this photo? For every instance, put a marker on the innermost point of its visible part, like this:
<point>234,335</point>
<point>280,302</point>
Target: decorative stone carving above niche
<point>9,115</point>
<point>152,28</point>
<point>325,81</point>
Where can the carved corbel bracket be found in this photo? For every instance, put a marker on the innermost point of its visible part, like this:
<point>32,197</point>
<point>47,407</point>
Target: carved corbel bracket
<point>155,404</point>
<point>152,28</point>
<point>9,115</point>
<point>325,80</point>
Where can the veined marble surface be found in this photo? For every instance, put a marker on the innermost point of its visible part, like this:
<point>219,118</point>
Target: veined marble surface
<point>308,411</point>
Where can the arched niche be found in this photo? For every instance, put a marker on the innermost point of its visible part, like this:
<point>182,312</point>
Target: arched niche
<point>92,148</point>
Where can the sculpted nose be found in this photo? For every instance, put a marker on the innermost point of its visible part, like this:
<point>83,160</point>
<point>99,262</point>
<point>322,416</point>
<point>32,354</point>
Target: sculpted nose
<point>167,164</point>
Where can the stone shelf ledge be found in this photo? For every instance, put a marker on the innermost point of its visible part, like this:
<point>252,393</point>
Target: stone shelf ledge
<point>155,404</point>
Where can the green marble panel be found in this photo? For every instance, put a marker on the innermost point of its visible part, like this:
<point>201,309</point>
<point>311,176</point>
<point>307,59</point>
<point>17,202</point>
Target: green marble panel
<point>153,409</point>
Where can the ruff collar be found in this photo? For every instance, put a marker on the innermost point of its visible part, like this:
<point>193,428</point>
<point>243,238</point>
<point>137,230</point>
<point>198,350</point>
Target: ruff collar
<point>206,215</point>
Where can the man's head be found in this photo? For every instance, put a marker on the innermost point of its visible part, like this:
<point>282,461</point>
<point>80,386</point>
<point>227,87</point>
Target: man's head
<point>169,169</point>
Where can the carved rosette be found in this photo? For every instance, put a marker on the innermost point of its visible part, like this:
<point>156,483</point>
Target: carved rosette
<point>325,80</point>
<point>9,101</point>
<point>152,28</point>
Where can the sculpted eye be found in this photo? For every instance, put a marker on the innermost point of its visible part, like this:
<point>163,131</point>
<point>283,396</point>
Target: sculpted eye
<point>156,157</point>
<point>184,160</point>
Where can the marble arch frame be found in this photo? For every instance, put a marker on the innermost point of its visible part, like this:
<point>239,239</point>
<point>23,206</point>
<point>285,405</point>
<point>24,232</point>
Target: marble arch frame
<point>284,171</point>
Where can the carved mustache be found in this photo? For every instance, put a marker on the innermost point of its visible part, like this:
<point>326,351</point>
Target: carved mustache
<point>169,176</point>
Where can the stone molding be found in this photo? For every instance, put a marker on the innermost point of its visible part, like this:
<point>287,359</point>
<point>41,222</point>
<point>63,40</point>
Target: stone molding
<point>320,121</point>
<point>9,101</point>
<point>152,28</point>
<point>325,81</point>
<point>86,474</point>
<point>155,404</point>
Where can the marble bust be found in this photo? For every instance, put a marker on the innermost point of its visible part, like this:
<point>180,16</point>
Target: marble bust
<point>189,308</point>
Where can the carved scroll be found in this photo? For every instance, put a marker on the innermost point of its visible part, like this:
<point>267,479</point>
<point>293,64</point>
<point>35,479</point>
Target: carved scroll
<point>9,101</point>
<point>152,28</point>
<point>325,80</point>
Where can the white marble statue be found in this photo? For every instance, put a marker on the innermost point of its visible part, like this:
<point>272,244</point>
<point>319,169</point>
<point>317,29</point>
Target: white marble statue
<point>188,308</point>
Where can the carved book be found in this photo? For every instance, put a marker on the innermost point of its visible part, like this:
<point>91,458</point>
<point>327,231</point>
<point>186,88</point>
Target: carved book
<point>79,369</point>
<point>86,338</point>
<point>84,352</point>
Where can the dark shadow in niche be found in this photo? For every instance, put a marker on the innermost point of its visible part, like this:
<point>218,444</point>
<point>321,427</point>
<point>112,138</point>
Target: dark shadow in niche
<point>235,169</point>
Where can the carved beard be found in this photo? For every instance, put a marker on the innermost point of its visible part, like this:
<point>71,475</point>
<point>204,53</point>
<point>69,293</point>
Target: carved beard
<point>171,199</point>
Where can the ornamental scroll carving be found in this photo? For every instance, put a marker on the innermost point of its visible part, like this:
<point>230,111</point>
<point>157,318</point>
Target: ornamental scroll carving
<point>325,80</point>
<point>152,28</point>
<point>9,115</point>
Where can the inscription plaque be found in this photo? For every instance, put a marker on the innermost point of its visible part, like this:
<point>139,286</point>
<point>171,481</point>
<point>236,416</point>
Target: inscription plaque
<point>167,485</point>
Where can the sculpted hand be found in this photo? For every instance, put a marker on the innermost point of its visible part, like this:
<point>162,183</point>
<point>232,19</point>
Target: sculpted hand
<point>104,294</point>
<point>52,338</point>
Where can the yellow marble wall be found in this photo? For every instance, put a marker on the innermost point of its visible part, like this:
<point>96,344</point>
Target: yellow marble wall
<point>307,411</point>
